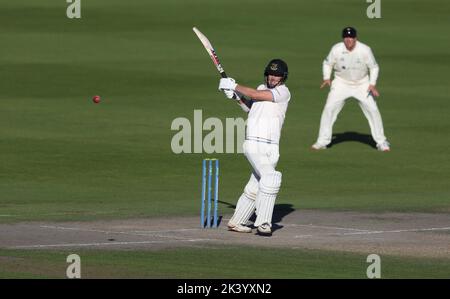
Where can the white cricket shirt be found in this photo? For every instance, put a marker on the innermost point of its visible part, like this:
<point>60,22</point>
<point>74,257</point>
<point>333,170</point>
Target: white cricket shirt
<point>266,118</point>
<point>351,66</point>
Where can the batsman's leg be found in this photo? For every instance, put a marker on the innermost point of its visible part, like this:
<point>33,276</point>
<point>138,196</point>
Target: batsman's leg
<point>245,207</point>
<point>269,186</point>
<point>264,158</point>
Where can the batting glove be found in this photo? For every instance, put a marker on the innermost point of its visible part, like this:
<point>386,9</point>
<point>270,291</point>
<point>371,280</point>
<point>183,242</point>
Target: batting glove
<point>227,83</point>
<point>231,94</point>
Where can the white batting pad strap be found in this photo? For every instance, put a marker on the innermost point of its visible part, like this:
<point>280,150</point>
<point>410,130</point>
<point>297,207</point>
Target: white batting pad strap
<point>244,210</point>
<point>270,183</point>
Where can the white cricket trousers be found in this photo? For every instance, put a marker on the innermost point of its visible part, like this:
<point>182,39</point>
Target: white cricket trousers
<point>339,93</point>
<point>262,188</point>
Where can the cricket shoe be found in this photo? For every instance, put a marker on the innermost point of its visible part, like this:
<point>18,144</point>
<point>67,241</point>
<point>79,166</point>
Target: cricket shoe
<point>317,146</point>
<point>264,230</point>
<point>238,228</point>
<point>384,147</point>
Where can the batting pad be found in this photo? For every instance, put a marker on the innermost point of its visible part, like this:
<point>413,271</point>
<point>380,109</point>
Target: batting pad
<point>269,186</point>
<point>251,189</point>
<point>244,210</point>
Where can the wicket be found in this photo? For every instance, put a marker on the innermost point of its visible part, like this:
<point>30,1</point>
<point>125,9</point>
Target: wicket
<point>207,187</point>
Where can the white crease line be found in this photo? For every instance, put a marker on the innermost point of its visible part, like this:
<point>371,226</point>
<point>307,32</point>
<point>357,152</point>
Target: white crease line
<point>303,236</point>
<point>133,233</point>
<point>89,230</point>
<point>399,231</point>
<point>376,232</point>
<point>328,227</point>
<point>58,214</point>
<point>165,231</point>
<point>106,244</point>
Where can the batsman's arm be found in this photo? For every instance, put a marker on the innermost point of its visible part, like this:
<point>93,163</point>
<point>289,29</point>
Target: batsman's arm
<point>255,95</point>
<point>239,98</point>
<point>245,103</point>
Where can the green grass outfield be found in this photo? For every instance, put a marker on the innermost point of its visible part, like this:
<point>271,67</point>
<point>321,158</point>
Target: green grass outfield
<point>65,158</point>
<point>203,263</point>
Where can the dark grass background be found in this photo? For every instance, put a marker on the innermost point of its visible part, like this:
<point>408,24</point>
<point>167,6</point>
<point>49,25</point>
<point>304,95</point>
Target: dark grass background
<point>64,158</point>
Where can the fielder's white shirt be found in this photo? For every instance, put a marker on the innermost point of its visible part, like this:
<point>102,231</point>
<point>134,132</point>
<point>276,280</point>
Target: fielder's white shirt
<point>351,66</point>
<point>266,118</point>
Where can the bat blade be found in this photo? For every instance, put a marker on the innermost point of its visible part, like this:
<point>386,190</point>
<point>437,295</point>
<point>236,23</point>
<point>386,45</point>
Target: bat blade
<point>211,52</point>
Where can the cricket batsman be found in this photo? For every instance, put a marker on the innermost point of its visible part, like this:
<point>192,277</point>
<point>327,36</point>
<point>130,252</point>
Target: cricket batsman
<point>267,109</point>
<point>355,75</point>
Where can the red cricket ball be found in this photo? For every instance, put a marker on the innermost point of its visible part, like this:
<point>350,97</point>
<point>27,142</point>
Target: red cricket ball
<point>96,99</point>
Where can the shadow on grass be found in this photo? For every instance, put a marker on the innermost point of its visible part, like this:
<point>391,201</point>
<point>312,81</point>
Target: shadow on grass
<point>353,136</point>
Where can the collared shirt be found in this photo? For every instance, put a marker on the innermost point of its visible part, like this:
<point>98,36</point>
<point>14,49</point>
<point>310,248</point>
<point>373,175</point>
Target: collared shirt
<point>351,66</point>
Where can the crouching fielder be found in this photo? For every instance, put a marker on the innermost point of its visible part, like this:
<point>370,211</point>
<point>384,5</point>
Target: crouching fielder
<point>267,109</point>
<point>352,61</point>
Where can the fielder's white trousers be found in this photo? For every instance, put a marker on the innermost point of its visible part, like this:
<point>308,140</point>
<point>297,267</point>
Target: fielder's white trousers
<point>340,91</point>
